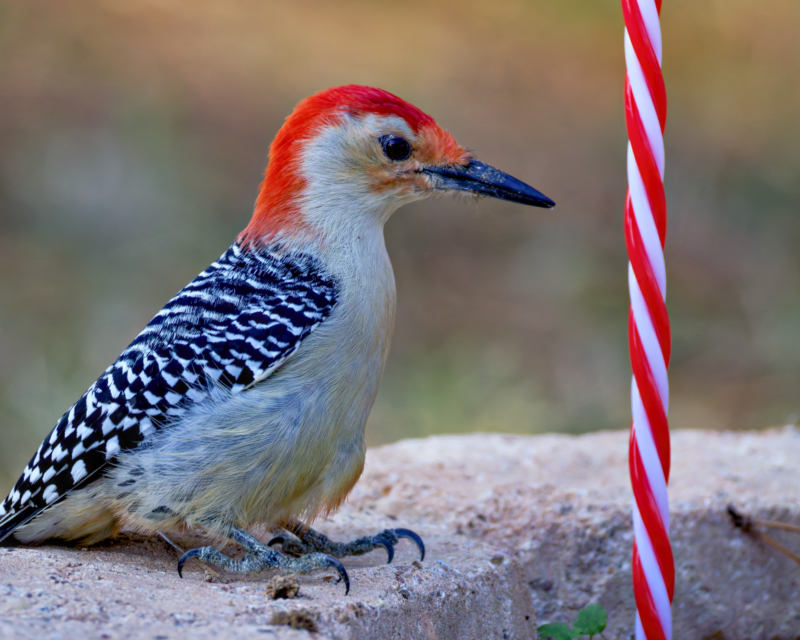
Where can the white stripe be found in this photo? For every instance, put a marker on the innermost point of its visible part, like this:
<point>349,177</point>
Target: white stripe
<point>643,433</point>
<point>652,573</point>
<point>652,25</point>
<point>644,102</point>
<point>647,333</point>
<point>646,223</point>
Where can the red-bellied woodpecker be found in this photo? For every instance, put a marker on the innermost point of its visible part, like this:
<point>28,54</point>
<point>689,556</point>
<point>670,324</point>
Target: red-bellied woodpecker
<point>244,399</point>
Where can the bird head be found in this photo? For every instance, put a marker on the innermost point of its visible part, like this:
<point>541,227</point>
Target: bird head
<point>347,157</point>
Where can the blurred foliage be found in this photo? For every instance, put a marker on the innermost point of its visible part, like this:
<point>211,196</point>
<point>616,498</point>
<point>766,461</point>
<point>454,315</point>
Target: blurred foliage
<point>133,135</point>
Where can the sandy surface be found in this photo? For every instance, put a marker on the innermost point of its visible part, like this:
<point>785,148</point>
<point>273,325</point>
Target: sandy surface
<point>519,531</point>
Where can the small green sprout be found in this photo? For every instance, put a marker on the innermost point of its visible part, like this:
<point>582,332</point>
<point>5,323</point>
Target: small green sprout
<point>590,620</point>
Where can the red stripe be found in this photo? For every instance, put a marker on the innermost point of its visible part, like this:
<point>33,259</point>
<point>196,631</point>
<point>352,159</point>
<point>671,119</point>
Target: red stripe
<point>646,161</point>
<point>645,605</point>
<point>653,406</point>
<point>647,282</point>
<point>647,58</point>
<point>643,271</point>
<point>645,501</point>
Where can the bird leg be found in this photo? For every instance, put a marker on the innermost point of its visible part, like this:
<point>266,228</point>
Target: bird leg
<point>308,541</point>
<point>260,556</point>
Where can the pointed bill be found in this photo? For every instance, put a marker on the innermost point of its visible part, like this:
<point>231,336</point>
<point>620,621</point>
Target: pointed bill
<point>485,180</point>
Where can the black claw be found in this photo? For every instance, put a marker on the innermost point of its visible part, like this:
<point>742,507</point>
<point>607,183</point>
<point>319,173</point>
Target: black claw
<point>191,553</point>
<point>389,549</point>
<point>333,562</point>
<point>276,540</point>
<point>407,533</point>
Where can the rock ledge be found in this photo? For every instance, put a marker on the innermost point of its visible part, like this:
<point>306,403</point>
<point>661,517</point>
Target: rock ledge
<point>520,531</point>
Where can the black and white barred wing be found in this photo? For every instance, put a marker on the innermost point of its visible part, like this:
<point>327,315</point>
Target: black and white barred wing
<point>233,325</point>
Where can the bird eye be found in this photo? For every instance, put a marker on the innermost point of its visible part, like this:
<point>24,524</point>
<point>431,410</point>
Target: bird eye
<point>395,148</point>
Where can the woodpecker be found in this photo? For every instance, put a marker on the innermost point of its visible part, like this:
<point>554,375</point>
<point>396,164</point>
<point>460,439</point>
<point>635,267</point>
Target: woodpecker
<point>244,399</point>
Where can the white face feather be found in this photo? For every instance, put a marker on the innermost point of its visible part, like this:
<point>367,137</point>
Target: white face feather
<point>340,165</point>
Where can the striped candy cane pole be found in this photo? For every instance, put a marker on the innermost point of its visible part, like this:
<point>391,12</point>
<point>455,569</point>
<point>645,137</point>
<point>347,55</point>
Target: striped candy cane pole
<point>648,323</point>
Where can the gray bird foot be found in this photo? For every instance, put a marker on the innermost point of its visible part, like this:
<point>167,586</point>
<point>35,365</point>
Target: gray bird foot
<point>309,541</point>
<point>260,556</point>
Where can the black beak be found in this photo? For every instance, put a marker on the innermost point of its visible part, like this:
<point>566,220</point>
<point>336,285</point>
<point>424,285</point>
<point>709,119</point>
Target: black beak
<point>487,181</point>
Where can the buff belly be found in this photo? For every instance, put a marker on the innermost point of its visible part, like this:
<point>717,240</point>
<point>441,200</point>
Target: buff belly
<point>263,456</point>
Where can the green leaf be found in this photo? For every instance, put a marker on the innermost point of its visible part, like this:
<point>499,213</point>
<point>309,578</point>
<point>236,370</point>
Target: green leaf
<point>590,620</point>
<point>555,630</point>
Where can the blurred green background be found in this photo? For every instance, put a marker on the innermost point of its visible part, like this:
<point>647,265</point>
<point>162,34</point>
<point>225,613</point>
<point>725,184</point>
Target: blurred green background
<point>133,135</point>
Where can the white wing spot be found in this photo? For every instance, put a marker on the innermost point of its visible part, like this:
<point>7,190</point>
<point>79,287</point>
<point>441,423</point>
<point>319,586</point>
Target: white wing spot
<point>50,493</point>
<point>84,432</point>
<point>108,426</point>
<point>59,453</point>
<point>78,471</point>
<point>146,427</point>
<point>112,447</point>
<point>234,370</point>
